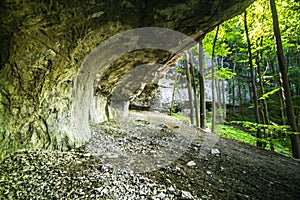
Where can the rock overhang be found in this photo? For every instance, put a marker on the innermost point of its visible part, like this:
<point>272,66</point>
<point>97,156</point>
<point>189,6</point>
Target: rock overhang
<point>43,48</point>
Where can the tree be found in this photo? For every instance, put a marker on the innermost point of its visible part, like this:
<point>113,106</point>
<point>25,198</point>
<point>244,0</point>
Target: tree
<point>188,77</point>
<point>285,82</point>
<point>213,101</point>
<point>192,70</point>
<point>173,92</point>
<point>253,82</point>
<point>201,86</point>
<point>260,85</point>
<point>224,74</point>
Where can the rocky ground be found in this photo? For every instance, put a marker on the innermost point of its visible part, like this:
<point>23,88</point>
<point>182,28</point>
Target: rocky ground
<point>150,156</point>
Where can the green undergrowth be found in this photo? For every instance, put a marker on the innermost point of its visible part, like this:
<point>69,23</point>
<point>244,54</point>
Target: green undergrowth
<point>281,144</point>
<point>236,134</point>
<point>180,117</point>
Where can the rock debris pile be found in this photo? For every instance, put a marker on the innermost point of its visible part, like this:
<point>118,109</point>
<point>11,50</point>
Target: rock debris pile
<point>142,142</point>
<point>151,156</point>
<point>105,168</point>
<point>74,175</point>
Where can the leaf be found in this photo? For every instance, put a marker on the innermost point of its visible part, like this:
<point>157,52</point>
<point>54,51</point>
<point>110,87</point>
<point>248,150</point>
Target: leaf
<point>266,95</point>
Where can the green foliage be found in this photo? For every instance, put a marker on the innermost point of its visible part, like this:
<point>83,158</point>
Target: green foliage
<point>231,49</point>
<point>281,145</point>
<point>276,131</point>
<point>221,49</point>
<point>225,73</point>
<point>236,134</point>
<point>266,95</point>
<point>180,117</point>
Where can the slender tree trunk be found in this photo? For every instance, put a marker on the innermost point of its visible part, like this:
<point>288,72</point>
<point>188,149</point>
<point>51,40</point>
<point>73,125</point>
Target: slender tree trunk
<point>219,105</point>
<point>279,96</point>
<point>194,88</point>
<point>213,103</point>
<point>173,92</point>
<point>244,96</point>
<point>233,83</point>
<point>263,102</point>
<point>223,99</point>
<point>240,97</point>
<point>233,95</point>
<point>285,83</point>
<point>222,94</point>
<point>188,77</point>
<point>253,82</point>
<point>201,86</point>
<point>250,86</point>
<point>263,90</point>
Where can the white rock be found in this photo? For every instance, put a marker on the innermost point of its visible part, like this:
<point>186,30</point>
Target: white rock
<point>106,167</point>
<point>191,163</point>
<point>87,154</point>
<point>208,172</point>
<point>171,190</point>
<point>186,195</point>
<point>99,189</point>
<point>215,151</point>
<point>161,195</point>
<point>104,191</point>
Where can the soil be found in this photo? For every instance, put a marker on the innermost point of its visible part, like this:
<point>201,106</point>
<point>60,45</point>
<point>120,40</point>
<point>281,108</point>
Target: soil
<point>209,167</point>
<point>240,171</point>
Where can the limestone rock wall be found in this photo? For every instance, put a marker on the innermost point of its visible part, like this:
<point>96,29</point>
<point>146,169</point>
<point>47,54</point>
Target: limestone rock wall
<point>43,44</point>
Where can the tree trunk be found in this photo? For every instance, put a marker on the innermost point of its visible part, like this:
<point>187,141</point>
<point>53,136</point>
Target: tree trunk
<point>188,77</point>
<point>213,103</point>
<point>194,88</point>
<point>223,99</point>
<point>222,94</point>
<point>279,96</point>
<point>263,102</point>
<point>173,92</point>
<point>218,93</point>
<point>285,83</point>
<point>253,82</point>
<point>240,97</point>
<point>233,83</point>
<point>233,95</point>
<point>201,86</point>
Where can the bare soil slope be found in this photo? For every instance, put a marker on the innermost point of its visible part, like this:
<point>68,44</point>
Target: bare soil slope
<point>206,168</point>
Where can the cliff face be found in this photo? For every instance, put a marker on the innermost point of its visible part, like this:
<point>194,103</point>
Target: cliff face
<point>47,96</point>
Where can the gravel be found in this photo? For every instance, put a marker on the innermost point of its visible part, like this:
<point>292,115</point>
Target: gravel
<point>39,174</point>
<point>108,167</point>
<point>105,167</point>
<point>141,144</point>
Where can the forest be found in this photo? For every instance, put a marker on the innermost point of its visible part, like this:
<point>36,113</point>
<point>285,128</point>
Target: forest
<point>253,64</point>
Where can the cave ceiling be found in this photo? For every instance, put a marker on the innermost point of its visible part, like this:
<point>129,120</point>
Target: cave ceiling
<point>45,44</point>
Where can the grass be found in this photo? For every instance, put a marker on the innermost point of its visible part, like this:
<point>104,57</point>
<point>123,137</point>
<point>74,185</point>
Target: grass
<point>281,145</point>
<point>180,117</point>
<point>236,134</point>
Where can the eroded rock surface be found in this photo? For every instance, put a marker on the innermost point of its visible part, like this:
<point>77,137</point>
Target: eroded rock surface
<point>43,47</point>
